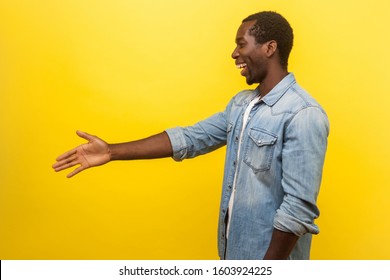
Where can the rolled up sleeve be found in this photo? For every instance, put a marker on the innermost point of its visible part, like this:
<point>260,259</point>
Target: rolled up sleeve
<point>178,142</point>
<point>303,157</point>
<point>201,138</point>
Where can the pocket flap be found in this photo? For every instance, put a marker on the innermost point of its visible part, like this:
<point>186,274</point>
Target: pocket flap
<point>262,137</point>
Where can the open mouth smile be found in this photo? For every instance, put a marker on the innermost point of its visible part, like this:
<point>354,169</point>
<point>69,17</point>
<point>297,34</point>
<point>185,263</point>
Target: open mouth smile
<point>242,66</point>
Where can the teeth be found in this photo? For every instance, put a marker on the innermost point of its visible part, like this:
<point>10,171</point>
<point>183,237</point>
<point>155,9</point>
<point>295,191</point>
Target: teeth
<point>240,66</point>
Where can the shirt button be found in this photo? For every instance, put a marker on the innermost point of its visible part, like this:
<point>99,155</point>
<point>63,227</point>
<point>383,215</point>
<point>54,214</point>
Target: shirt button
<point>229,187</point>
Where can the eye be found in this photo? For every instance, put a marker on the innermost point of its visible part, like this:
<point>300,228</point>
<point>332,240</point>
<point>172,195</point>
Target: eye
<point>240,43</point>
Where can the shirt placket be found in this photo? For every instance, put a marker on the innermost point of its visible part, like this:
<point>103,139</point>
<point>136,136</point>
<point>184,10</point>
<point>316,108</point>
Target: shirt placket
<point>245,121</point>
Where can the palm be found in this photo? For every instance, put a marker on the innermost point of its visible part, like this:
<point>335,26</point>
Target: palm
<point>93,153</point>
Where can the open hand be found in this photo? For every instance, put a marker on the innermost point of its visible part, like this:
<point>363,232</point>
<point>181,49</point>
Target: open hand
<point>95,152</point>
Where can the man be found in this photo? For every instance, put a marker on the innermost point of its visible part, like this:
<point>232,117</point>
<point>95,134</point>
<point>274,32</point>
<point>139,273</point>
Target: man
<point>276,137</point>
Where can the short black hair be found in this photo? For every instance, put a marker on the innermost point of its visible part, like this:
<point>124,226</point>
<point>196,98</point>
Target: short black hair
<point>273,26</point>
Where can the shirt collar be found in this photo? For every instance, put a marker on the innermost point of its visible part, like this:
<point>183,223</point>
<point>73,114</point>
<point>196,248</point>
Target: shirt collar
<point>279,90</point>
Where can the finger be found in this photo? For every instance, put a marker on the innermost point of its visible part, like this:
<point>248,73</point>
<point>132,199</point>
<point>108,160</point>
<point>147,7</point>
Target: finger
<point>59,164</point>
<point>67,154</point>
<point>82,134</point>
<point>85,135</point>
<point>66,160</point>
<point>64,165</point>
<point>74,172</point>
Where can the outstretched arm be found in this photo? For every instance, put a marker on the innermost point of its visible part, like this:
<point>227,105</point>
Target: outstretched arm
<point>97,152</point>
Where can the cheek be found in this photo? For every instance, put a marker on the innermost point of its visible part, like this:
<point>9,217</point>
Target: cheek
<point>253,64</point>
<point>258,63</point>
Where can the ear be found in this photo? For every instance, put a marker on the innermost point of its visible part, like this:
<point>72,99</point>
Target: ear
<point>271,47</point>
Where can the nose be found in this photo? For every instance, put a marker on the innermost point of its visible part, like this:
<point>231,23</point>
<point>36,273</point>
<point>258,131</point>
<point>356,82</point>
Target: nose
<point>235,54</point>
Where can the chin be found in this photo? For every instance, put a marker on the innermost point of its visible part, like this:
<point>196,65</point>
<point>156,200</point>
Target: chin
<point>249,81</point>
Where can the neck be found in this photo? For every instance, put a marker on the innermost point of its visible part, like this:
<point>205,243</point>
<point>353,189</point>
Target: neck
<point>271,80</point>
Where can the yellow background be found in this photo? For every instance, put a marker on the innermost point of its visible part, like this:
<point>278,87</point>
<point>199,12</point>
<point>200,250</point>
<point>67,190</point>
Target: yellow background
<point>126,69</point>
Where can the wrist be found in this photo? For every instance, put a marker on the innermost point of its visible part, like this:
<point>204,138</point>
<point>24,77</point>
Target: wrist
<point>111,152</point>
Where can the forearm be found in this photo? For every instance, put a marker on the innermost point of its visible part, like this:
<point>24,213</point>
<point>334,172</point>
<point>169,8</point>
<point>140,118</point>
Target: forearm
<point>281,245</point>
<point>156,146</point>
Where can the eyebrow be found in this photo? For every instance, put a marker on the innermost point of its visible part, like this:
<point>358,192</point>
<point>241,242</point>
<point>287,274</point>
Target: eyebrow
<point>240,39</point>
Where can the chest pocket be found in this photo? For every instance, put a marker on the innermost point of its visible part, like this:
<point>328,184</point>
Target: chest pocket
<point>259,149</point>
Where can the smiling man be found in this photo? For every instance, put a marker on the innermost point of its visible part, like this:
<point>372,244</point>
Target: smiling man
<point>276,137</point>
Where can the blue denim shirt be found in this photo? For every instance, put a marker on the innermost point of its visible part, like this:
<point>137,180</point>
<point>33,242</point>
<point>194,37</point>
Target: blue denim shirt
<point>278,171</point>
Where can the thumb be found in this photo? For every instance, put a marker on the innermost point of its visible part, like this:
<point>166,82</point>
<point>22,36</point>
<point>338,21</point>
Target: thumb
<point>85,135</point>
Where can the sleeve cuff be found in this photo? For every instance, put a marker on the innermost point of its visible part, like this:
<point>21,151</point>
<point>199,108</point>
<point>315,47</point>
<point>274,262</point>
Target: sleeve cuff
<point>178,142</point>
<point>287,223</point>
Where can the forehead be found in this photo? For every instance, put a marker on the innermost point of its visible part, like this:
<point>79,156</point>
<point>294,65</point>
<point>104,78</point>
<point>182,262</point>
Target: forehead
<point>242,31</point>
